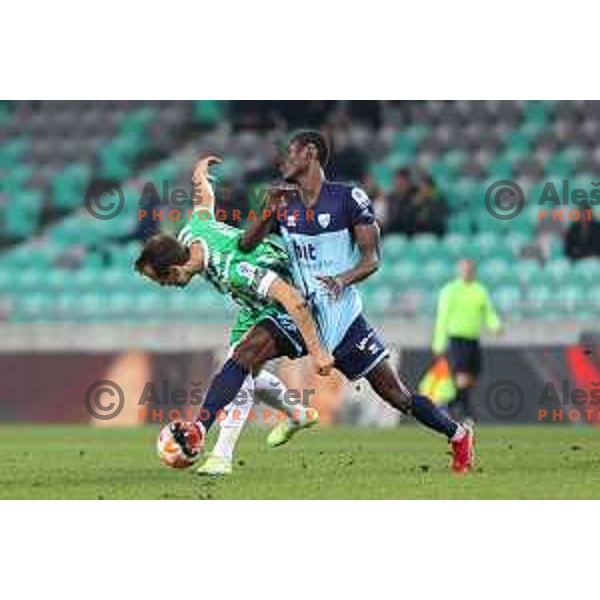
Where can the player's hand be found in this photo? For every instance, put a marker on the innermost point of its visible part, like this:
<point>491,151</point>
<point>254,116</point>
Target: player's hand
<point>201,168</point>
<point>323,362</point>
<point>333,285</point>
<point>277,196</point>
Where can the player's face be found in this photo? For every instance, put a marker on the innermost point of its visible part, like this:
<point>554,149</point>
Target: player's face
<point>466,269</point>
<point>170,277</point>
<point>295,162</point>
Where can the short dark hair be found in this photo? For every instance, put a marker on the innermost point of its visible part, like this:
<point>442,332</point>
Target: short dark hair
<point>161,251</point>
<point>316,138</point>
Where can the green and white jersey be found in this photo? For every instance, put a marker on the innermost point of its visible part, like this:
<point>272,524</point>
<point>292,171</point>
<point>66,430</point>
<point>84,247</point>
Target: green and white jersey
<point>243,276</point>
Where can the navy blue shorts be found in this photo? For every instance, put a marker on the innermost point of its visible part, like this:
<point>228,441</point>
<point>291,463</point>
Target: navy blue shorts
<point>464,356</point>
<point>287,336</point>
<point>360,350</point>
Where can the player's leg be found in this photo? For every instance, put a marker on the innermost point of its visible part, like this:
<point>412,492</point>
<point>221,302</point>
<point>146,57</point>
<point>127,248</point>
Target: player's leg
<point>220,459</point>
<point>271,390</point>
<point>387,385</point>
<point>273,336</point>
<point>462,406</point>
<point>256,347</point>
<point>464,357</point>
<point>362,353</point>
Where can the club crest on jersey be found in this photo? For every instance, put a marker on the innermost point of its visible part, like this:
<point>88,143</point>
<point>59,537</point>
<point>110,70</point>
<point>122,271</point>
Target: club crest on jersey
<point>324,219</point>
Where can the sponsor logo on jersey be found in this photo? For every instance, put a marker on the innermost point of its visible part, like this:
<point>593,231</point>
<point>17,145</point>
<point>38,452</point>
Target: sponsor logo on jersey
<point>305,251</point>
<point>247,270</point>
<point>291,220</point>
<point>324,219</point>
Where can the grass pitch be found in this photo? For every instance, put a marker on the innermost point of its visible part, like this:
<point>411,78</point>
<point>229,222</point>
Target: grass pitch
<point>513,462</point>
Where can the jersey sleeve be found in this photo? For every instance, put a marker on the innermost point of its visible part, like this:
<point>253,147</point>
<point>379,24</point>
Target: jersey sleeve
<point>492,320</point>
<point>252,279</point>
<point>360,207</point>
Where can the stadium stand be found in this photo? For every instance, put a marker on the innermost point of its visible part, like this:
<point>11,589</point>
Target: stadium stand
<point>59,264</point>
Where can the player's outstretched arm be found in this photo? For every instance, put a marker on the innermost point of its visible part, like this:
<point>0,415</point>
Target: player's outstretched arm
<point>203,195</point>
<point>297,307</point>
<point>367,240</point>
<point>259,229</point>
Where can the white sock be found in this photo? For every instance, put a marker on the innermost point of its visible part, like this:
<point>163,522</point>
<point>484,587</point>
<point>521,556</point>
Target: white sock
<point>231,427</point>
<point>272,392</point>
<point>459,433</point>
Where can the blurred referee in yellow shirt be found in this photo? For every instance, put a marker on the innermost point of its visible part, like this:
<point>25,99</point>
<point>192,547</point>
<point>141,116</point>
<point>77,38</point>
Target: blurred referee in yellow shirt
<point>464,306</point>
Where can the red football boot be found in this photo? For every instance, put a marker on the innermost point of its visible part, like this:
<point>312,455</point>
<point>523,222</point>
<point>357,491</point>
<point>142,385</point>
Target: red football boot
<point>463,451</point>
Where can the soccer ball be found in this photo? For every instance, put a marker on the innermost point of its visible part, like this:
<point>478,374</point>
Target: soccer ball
<point>180,444</point>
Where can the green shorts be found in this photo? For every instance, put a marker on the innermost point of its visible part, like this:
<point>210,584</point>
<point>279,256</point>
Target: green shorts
<point>247,319</point>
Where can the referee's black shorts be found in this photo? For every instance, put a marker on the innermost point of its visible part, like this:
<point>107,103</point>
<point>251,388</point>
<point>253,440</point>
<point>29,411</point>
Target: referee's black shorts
<point>464,356</point>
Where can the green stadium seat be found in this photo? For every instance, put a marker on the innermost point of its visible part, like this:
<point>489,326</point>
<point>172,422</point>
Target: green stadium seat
<point>527,270</point>
<point>437,272</point>
<point>485,244</point>
<point>501,167</point>
<point>424,246</point>
<point>495,272</point>
<point>571,298</point>
<point>209,112</point>
<point>507,299</point>
<point>403,272</point>
<point>393,246</point>
<point>466,189</point>
<point>24,214</point>
<point>16,179</point>
<point>558,271</point>
<point>593,298</point>
<point>460,223</point>
<point>12,152</point>
<point>86,279</point>
<point>521,141</point>
<point>516,240</point>
<point>383,174</point>
<point>415,133</point>
<point>541,300</point>
<point>455,245</point>
<point>33,307</point>
<point>559,165</point>
<point>381,302</point>
<point>455,159</point>
<point>587,270</point>
<point>137,123</point>
<point>69,186</point>
<point>537,111</point>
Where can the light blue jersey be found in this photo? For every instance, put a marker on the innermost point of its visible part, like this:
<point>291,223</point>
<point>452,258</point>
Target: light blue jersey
<point>320,242</point>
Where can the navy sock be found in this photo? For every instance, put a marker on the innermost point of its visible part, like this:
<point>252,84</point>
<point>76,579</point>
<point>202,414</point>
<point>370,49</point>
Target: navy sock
<point>223,389</point>
<point>427,413</point>
<point>463,396</point>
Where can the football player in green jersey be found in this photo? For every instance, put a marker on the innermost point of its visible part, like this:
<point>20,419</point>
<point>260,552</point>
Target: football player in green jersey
<point>274,319</point>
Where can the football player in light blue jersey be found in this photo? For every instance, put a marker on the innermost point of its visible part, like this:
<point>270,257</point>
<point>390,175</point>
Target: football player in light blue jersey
<point>332,239</point>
